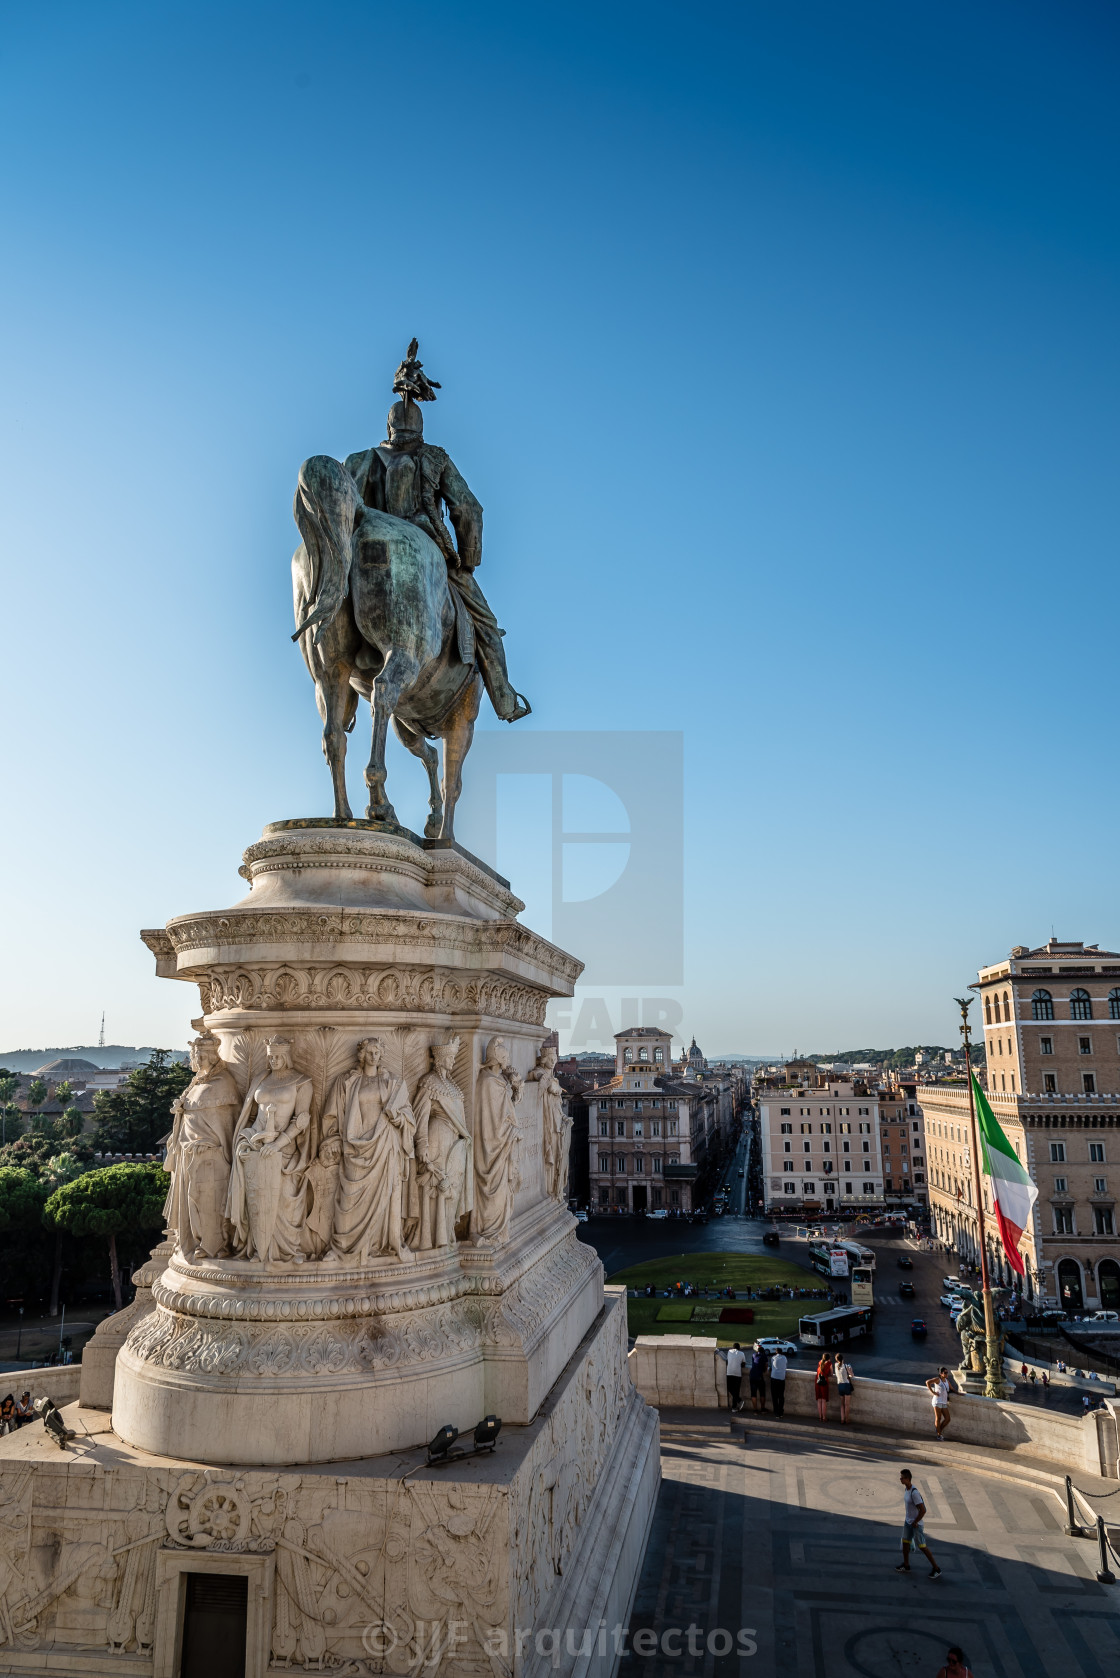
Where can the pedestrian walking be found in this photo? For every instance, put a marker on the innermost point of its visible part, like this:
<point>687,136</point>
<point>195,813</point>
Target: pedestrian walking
<point>736,1360</point>
<point>778,1383</point>
<point>939,1389</point>
<point>844,1383</point>
<point>913,1532</point>
<point>824,1371</point>
<point>757,1377</point>
<point>955,1665</point>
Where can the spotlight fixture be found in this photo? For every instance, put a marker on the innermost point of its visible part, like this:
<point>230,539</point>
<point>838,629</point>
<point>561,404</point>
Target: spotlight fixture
<point>486,1433</point>
<point>52,1420</point>
<point>442,1443</point>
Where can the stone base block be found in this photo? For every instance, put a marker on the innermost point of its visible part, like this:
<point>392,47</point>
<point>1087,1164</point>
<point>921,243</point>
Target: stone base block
<point>479,1569</point>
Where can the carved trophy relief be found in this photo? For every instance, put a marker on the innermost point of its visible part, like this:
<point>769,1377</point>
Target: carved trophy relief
<point>267,1203</point>
<point>199,1155</point>
<point>496,1132</point>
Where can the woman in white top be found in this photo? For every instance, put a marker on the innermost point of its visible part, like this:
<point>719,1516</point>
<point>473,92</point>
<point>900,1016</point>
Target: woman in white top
<point>844,1382</point>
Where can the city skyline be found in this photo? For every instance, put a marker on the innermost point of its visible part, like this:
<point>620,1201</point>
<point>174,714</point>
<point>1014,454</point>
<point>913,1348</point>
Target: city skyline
<point>779,351</point>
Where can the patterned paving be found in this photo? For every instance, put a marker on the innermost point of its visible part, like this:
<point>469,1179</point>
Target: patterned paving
<point>793,1544</point>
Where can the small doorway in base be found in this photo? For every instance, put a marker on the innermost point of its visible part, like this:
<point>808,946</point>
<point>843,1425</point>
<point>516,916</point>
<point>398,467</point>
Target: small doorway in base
<point>215,1621</point>
<point>639,1197</point>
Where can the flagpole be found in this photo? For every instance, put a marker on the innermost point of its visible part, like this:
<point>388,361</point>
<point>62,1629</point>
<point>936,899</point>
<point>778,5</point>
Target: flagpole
<point>994,1386</point>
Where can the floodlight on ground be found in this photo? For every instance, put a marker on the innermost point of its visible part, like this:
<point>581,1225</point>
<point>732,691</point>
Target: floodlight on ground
<point>486,1433</point>
<point>442,1442</point>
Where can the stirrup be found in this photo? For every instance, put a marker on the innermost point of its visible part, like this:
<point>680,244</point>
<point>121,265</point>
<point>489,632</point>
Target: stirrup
<point>521,709</point>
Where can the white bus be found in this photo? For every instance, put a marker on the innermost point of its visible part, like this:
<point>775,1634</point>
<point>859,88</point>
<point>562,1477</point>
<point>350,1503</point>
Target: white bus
<point>835,1328</point>
<point>857,1254</point>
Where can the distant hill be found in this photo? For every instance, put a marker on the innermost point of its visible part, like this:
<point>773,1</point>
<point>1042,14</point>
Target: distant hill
<point>112,1054</point>
<point>896,1059</point>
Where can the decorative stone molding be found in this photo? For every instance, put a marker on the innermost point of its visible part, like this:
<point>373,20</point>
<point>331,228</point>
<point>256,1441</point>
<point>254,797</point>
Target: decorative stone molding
<point>288,985</point>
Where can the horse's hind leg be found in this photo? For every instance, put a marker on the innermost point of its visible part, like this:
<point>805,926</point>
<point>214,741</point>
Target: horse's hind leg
<point>338,706</point>
<point>398,672</point>
<point>458,734</point>
<point>419,747</point>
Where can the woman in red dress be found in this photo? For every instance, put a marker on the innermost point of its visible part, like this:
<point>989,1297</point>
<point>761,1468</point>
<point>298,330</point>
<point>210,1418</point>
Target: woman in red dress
<point>824,1371</point>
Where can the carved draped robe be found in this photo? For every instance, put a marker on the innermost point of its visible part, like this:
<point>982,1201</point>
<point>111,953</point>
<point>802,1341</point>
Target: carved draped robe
<point>442,1190</point>
<point>495,1134</point>
<point>198,1158</point>
<point>376,1129</point>
<point>267,1188</point>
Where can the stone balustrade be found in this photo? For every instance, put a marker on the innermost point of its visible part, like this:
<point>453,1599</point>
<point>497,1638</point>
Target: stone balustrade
<point>682,1371</point>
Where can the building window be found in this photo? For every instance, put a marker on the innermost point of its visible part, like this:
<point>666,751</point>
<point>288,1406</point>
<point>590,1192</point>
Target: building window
<point>1080,1005</point>
<point>1057,1153</point>
<point>604,1128</point>
<point>1084,1045</point>
<point>787,1147</point>
<point>656,1166</point>
<point>655,1128</point>
<point>1100,1185</point>
<point>784,1112</point>
<point>637,1127</point>
<point>1046,1045</point>
<point>1114,1004</point>
<point>987,1010</point>
<point>787,1165</point>
<point>869,1188</point>
<point>659,1056</point>
<point>657,1196</point>
<point>1088,1083</point>
<point>1063,1220</point>
<point>847,1147</point>
<point>806,1130</point>
<point>808,1188</point>
<point>808,1147</point>
<point>791,1188</point>
<point>1049,1083</point>
<point>867,1147</point>
<point>1006,1007</point>
<point>1096,1153</point>
<point>628,1054</point>
<point>1102,1218</point>
<point>604,1162</point>
<point>787,1130</point>
<point>674,1197</point>
<point>619,1128</point>
<point>1042,1005</point>
<point>639,1165</point>
<point>1059,1185</point>
<point>604,1197</point>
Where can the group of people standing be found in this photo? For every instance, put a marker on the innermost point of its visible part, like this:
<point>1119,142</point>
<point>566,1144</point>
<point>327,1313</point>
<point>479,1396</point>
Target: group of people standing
<point>761,1365</point>
<point>834,1366</point>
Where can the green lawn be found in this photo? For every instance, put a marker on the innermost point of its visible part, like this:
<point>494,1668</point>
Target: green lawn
<point>718,1270</point>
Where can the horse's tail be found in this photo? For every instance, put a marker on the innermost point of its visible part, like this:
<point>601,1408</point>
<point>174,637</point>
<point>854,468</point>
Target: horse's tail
<point>325,506</point>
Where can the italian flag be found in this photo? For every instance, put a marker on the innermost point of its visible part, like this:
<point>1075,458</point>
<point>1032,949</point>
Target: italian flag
<point>1012,1190</point>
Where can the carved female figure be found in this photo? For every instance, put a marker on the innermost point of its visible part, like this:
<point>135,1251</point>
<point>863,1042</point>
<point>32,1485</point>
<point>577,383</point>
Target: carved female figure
<point>267,1190</point>
<point>199,1153</point>
<point>441,1190</point>
<point>376,1129</point>
<point>495,1135</point>
<point>556,1126</point>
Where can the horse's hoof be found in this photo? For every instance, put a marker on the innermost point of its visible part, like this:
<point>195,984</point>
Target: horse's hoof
<point>383,813</point>
<point>433,827</point>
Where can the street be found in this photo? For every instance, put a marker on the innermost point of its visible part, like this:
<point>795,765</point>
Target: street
<point>891,1354</point>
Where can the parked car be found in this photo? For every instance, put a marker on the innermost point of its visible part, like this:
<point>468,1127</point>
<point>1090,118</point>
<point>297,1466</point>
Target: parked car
<point>955,1309</point>
<point>918,1328</point>
<point>1103,1317</point>
<point>905,1263</point>
<point>950,1282</point>
<point>771,1238</point>
<point>906,1290</point>
<point>581,1217</point>
<point>948,1300</point>
<point>662,1214</point>
<point>742,1173</point>
<point>775,1343</point>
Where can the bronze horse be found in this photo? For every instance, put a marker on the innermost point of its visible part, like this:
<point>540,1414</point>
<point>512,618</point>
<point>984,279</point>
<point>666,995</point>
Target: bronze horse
<point>376,616</point>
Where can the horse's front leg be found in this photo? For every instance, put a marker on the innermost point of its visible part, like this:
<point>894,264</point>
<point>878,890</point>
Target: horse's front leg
<point>397,672</point>
<point>456,745</point>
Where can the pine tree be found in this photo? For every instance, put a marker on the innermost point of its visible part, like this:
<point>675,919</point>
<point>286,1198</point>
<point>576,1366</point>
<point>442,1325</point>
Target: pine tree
<point>136,1117</point>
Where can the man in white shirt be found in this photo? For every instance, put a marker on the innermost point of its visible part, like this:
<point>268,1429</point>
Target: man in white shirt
<point>938,1386</point>
<point>778,1382</point>
<point>736,1363</point>
<point>913,1532</point>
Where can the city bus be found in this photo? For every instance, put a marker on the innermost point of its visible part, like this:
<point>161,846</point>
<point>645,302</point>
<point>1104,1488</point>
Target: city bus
<point>863,1290</point>
<point>857,1254</point>
<point>836,1328</point>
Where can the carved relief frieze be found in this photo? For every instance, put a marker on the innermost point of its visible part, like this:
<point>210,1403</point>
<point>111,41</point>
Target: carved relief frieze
<point>283,985</point>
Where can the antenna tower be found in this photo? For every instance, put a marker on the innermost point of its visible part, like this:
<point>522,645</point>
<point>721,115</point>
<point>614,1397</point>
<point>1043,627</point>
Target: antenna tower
<point>101,1039</point>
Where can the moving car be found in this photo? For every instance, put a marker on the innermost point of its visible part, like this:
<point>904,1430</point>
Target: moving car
<point>775,1343</point>
<point>742,1173</point>
<point>661,1214</point>
<point>948,1300</point>
<point>950,1282</point>
<point>906,1290</point>
<point>771,1238</point>
<point>955,1309</point>
<point>918,1328</point>
<point>905,1263</point>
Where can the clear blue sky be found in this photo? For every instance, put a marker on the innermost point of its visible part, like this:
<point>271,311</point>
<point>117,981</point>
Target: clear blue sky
<point>779,343</point>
